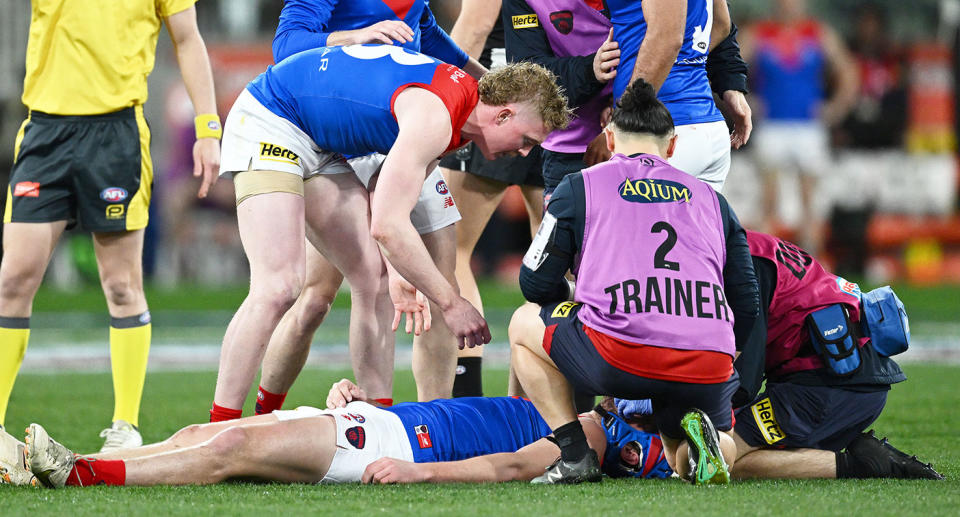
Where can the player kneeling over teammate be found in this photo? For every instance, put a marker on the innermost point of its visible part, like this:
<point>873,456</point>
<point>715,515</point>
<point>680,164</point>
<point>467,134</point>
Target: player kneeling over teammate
<point>662,267</point>
<point>477,439</point>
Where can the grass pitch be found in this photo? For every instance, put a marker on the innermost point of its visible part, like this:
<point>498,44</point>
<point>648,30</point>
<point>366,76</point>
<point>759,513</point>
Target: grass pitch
<point>921,417</point>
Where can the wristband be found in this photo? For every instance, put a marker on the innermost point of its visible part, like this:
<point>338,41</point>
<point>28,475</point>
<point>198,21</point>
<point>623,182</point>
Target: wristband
<point>208,126</point>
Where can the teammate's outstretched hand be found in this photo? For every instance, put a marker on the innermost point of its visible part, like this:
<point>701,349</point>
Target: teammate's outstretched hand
<point>385,32</point>
<point>407,300</point>
<point>392,470</point>
<point>466,323</point>
<point>206,163</point>
<point>343,392</point>
<point>606,59</point>
<point>734,106</point>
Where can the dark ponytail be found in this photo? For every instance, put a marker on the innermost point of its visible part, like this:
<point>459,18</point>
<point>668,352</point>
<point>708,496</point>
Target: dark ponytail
<point>639,111</point>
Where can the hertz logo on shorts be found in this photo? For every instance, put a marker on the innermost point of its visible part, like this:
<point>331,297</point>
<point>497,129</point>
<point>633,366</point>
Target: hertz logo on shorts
<point>763,413</point>
<point>525,21</point>
<point>563,310</point>
<point>276,153</point>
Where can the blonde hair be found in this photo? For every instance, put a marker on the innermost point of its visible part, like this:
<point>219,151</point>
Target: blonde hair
<point>527,82</point>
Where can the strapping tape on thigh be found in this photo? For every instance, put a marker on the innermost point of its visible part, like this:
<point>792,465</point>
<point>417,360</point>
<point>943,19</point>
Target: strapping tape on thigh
<point>834,340</point>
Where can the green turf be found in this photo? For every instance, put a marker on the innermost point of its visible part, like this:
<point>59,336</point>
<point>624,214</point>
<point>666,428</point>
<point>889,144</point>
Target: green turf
<point>921,417</point>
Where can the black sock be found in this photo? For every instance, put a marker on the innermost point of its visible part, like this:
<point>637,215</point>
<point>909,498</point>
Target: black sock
<point>469,379</point>
<point>572,441</point>
<point>583,402</point>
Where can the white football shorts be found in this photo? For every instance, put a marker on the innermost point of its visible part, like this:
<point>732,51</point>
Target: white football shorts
<point>703,150</point>
<point>802,146</point>
<point>364,435</point>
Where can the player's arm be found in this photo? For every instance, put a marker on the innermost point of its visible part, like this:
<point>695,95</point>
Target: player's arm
<point>435,42</point>
<point>666,22</point>
<point>425,130</point>
<point>739,278</point>
<point>473,25</point>
<point>750,363</point>
<point>843,74</point>
<point>195,69</point>
<point>523,465</point>
<point>727,73</point>
<point>558,240</point>
<point>721,23</point>
<point>582,77</point>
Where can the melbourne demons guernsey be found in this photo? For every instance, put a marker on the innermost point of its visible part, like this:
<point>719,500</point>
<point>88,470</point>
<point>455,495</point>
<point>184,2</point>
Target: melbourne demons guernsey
<point>461,428</point>
<point>686,91</point>
<point>650,269</point>
<point>788,69</point>
<point>306,24</point>
<point>574,29</point>
<point>342,97</point>
<point>802,287</point>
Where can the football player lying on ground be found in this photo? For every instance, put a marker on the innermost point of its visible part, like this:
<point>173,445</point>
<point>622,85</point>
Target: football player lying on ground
<point>477,439</point>
<point>809,421</point>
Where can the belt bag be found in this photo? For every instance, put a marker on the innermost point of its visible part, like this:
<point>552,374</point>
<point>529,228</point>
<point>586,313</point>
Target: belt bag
<point>885,321</point>
<point>834,340</point>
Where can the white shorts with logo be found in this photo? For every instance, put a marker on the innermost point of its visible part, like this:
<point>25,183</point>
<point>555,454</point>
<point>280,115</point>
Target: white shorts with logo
<point>435,208</point>
<point>373,434</point>
<point>703,150</point>
<point>802,146</point>
<point>255,138</point>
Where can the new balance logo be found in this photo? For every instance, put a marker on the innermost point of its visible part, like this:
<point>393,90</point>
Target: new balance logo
<point>448,202</point>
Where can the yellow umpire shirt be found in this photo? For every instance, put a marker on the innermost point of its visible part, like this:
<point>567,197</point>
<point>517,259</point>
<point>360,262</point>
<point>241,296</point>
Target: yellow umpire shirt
<point>92,57</point>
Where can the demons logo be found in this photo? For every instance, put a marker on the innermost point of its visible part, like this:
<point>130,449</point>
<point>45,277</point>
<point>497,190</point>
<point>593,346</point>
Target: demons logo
<point>562,21</point>
<point>356,436</point>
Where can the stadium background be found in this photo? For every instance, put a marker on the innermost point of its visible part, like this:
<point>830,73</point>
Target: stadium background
<point>895,220</point>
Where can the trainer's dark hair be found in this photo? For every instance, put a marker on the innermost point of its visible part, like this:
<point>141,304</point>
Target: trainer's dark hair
<point>639,111</point>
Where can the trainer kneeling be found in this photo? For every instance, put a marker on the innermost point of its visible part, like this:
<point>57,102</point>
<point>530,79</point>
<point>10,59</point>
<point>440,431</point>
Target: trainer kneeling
<point>662,267</point>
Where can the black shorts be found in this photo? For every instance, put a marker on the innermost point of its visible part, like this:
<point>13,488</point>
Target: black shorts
<point>789,415</point>
<point>557,166</point>
<point>577,358</point>
<point>93,170</point>
<point>513,170</point>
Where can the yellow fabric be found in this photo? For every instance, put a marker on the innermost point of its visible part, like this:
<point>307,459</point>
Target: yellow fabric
<point>139,207</point>
<point>8,210</point>
<point>251,183</point>
<point>207,125</point>
<point>13,344</point>
<point>92,57</point>
<point>129,348</point>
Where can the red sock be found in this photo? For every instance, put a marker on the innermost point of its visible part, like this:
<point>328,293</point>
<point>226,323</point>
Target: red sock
<point>384,402</point>
<point>268,402</point>
<point>90,472</point>
<point>220,414</point>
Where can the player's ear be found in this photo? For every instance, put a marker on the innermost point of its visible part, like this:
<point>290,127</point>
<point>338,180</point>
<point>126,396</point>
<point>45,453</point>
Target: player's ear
<point>671,146</point>
<point>504,115</point>
<point>610,141</point>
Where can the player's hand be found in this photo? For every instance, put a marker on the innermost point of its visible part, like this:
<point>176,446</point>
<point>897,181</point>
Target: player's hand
<point>597,151</point>
<point>630,408</point>
<point>407,300</point>
<point>206,163</point>
<point>343,392</point>
<point>385,32</point>
<point>606,59</point>
<point>392,470</point>
<point>734,105</point>
<point>466,323</point>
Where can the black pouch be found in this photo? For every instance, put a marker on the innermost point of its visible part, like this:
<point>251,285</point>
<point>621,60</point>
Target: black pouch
<point>835,340</point>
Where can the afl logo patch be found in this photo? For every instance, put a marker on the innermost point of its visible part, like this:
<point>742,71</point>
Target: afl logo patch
<point>441,187</point>
<point>356,436</point>
<point>113,194</point>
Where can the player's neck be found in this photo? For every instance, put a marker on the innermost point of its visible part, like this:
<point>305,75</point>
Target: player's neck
<point>632,146</point>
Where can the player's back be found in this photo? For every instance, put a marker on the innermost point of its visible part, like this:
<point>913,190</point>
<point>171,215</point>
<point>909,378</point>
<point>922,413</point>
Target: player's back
<point>342,97</point>
<point>460,428</point>
<point>686,91</point>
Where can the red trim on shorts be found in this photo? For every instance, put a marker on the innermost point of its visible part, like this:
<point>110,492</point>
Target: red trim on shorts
<point>459,94</point>
<point>667,364</point>
<point>548,337</point>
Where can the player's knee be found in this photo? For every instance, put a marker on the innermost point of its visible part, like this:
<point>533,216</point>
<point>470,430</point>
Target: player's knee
<point>521,324</point>
<point>120,291</point>
<point>186,436</point>
<point>225,448</point>
<point>313,306</point>
<point>278,294</point>
<point>17,286</point>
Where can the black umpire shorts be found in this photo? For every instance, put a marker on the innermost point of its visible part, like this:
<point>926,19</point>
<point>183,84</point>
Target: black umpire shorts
<point>512,170</point>
<point>789,415</point>
<point>94,170</point>
<point>588,372</point>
